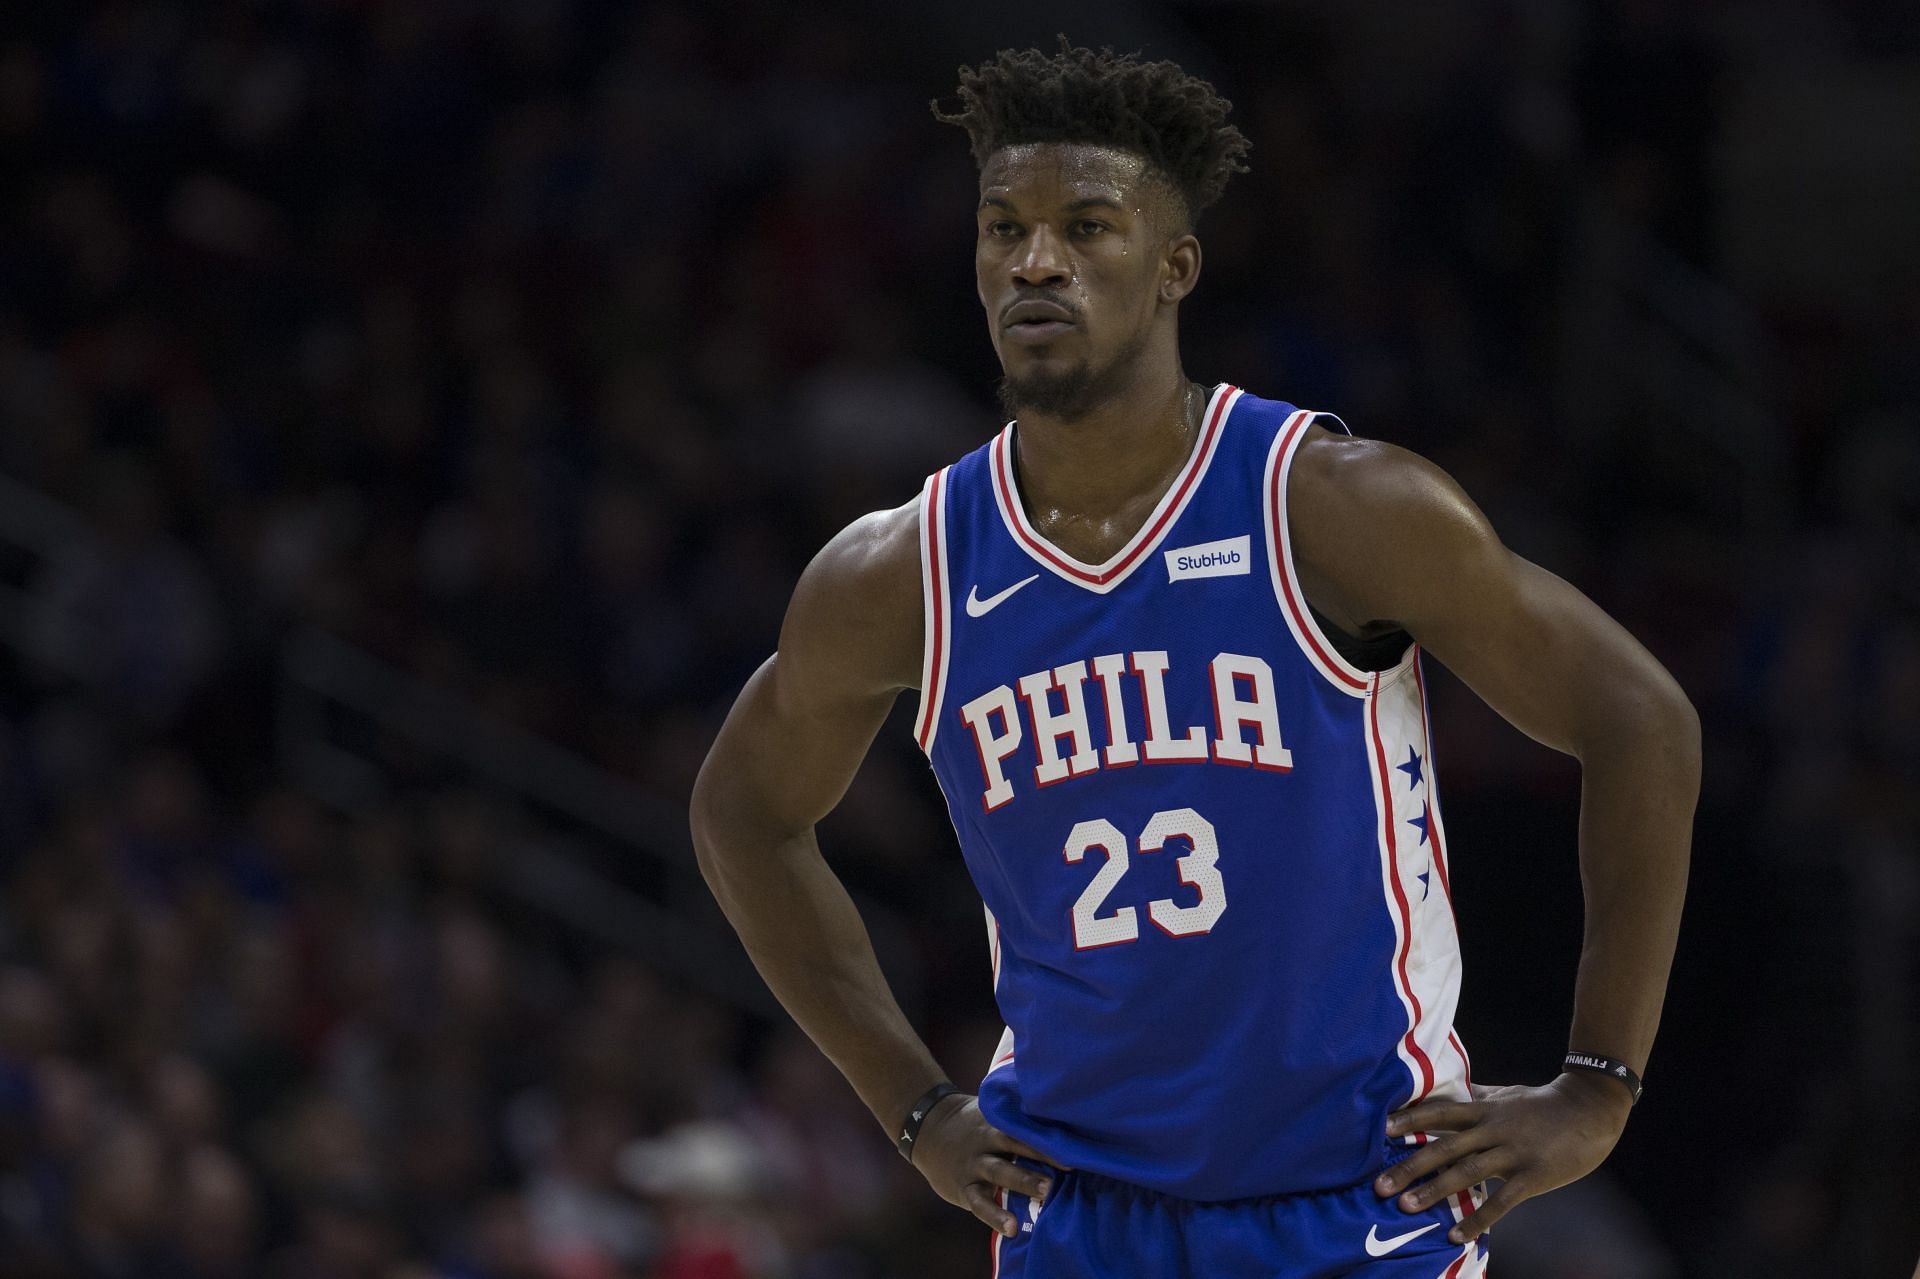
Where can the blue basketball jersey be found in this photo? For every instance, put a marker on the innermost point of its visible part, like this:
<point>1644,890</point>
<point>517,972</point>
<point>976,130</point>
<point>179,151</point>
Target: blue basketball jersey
<point>1219,921</point>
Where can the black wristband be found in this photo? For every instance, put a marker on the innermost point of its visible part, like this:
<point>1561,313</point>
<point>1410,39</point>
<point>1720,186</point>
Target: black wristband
<point>917,1115</point>
<point>1607,1066</point>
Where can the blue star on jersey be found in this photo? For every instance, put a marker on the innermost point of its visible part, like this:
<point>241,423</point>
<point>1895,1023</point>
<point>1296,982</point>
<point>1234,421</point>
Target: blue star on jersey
<point>1412,767</point>
<point>1424,820</point>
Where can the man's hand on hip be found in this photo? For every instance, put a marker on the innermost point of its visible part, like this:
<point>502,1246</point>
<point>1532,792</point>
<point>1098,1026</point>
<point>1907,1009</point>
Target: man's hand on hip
<point>968,1162</point>
<point>1538,1139</point>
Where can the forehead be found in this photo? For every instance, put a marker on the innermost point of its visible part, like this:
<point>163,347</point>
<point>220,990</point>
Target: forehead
<point>1067,170</point>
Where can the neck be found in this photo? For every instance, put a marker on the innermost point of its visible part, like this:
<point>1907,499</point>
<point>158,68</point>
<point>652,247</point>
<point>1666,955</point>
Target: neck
<point>1088,482</point>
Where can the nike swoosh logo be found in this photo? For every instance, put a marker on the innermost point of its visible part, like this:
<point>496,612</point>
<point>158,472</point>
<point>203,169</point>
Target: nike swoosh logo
<point>1378,1247</point>
<point>977,607</point>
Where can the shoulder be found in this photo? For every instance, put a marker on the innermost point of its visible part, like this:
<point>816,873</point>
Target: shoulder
<point>1370,489</point>
<point>1373,523</point>
<point>858,605</point>
<point>876,555</point>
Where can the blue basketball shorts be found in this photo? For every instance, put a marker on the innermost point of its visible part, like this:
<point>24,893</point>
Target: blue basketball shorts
<point>1093,1227</point>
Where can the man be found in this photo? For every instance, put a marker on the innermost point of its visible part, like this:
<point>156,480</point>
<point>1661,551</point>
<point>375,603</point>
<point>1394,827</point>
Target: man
<point>1167,645</point>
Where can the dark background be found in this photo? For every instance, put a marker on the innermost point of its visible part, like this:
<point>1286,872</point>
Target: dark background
<point>414,414</point>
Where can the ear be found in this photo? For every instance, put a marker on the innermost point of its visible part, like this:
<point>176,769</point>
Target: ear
<point>1179,268</point>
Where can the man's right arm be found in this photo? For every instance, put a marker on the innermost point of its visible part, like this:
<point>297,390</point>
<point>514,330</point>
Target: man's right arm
<point>785,756</point>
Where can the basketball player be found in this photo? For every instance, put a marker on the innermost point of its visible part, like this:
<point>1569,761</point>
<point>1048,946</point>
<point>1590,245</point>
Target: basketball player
<point>1167,639</point>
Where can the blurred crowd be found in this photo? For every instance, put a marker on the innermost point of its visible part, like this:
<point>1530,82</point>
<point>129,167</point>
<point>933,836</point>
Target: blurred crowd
<point>534,346</point>
<point>286,1045</point>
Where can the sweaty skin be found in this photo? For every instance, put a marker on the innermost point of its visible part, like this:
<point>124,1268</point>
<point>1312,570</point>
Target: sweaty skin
<point>1383,539</point>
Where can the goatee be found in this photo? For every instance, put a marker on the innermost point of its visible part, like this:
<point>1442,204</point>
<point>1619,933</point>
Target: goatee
<point>1072,393</point>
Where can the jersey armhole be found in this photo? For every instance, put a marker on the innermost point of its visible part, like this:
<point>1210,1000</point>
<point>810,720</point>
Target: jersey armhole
<point>937,609</point>
<point>1313,642</point>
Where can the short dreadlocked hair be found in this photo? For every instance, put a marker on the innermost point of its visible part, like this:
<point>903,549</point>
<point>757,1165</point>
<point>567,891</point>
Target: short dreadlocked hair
<point>1175,121</point>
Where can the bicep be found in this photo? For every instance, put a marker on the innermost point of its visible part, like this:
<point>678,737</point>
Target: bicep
<point>803,723</point>
<point>1403,541</point>
<point>1536,649</point>
<point>787,752</point>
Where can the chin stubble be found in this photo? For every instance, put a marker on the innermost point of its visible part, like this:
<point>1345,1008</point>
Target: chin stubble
<point>1073,393</point>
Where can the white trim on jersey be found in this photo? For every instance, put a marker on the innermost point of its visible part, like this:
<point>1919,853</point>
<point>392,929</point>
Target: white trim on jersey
<point>993,943</point>
<point>1003,1052</point>
<point>1426,966</point>
<point>936,598</point>
<point>1438,828</point>
<point>1398,911</point>
<point>1102,578</point>
<point>1312,641</point>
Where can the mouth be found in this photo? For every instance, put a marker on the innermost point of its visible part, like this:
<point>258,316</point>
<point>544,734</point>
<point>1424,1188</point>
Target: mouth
<point>1037,320</point>
<point>1033,331</point>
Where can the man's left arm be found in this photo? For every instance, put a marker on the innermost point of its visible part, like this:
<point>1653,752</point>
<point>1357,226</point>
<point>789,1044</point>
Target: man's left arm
<point>1382,535</point>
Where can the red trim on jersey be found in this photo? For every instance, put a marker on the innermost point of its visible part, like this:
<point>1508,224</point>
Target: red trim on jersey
<point>1439,857</point>
<point>1454,1040</point>
<point>1000,1196</point>
<point>1003,476</point>
<point>1452,1271</point>
<point>1278,551</point>
<point>993,945</point>
<point>932,517</point>
<point>1433,803</point>
<point>1399,893</point>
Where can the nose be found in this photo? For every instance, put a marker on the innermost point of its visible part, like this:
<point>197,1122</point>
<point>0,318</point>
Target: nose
<point>1042,260</point>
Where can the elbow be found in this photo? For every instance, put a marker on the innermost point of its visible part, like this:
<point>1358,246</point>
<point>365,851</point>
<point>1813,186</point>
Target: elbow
<point>1690,740</point>
<point>1670,731</point>
<point>705,810</point>
<point>1675,723</point>
<point>1659,723</point>
<point>731,837</point>
<point>1689,729</point>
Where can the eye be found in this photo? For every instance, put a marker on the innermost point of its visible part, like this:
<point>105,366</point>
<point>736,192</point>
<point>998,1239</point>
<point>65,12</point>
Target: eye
<point>1001,229</point>
<point>1088,227</point>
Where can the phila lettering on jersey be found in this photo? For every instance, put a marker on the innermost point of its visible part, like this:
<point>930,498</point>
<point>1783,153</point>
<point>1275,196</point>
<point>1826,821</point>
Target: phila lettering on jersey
<point>1213,863</point>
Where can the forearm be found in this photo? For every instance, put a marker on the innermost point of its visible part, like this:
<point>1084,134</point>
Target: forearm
<point>807,939</point>
<point>1636,829</point>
